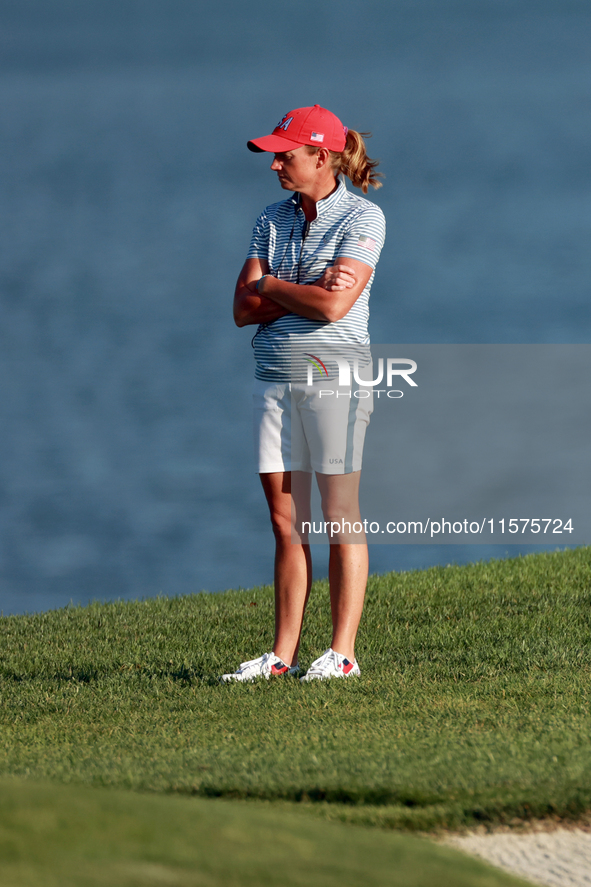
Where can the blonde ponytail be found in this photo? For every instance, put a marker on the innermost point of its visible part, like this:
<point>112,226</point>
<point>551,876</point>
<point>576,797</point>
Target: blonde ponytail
<point>354,162</point>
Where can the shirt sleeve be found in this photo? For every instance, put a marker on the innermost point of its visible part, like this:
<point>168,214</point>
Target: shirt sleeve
<point>259,243</point>
<point>365,236</point>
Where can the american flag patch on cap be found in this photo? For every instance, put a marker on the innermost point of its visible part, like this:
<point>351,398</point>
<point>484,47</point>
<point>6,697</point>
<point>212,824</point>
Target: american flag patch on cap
<point>367,242</point>
<point>317,137</point>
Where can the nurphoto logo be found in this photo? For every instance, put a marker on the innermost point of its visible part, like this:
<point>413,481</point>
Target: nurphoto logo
<point>396,368</point>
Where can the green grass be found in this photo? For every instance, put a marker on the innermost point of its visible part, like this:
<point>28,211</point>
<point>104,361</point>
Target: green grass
<point>473,705</point>
<point>66,836</point>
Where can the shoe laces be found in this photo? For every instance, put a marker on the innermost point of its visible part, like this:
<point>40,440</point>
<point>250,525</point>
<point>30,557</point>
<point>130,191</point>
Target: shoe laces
<point>260,661</point>
<point>322,665</point>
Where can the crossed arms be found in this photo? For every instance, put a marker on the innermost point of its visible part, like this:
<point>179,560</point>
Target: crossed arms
<point>327,299</point>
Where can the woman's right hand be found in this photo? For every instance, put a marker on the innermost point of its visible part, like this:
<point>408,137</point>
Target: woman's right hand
<point>337,277</point>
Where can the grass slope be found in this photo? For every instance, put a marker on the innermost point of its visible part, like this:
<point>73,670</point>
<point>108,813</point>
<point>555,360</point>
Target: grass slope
<point>473,703</point>
<point>64,836</point>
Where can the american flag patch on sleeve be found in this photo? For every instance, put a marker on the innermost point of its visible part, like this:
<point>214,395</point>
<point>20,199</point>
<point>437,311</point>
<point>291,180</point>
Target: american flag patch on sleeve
<point>367,242</point>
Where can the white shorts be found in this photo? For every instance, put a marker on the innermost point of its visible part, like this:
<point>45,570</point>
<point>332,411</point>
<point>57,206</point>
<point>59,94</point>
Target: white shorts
<point>299,427</point>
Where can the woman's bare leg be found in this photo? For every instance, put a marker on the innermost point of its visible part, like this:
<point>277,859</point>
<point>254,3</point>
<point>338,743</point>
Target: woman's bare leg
<point>348,564</point>
<point>293,562</point>
<point>347,575</point>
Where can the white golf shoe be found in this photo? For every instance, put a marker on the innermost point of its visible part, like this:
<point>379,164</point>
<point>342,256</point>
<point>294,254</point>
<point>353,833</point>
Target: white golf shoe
<point>331,665</point>
<point>266,666</point>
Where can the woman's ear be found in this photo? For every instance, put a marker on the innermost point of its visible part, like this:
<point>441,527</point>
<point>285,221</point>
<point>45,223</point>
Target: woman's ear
<point>322,155</point>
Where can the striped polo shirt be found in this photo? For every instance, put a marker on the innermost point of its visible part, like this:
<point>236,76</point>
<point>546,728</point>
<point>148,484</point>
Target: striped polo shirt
<point>346,226</point>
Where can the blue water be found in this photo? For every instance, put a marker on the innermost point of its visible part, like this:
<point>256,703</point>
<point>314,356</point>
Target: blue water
<point>127,197</point>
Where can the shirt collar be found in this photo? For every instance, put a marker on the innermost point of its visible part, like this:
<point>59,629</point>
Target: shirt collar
<point>327,202</point>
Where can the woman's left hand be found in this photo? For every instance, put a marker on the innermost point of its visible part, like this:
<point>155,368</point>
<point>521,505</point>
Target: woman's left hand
<point>337,277</point>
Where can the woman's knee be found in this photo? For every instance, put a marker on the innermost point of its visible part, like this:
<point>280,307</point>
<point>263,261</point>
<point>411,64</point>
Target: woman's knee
<point>282,524</point>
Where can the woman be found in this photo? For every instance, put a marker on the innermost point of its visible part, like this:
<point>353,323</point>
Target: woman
<point>306,281</point>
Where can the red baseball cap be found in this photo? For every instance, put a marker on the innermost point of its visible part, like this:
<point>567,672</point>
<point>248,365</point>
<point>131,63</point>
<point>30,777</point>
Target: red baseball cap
<point>305,126</point>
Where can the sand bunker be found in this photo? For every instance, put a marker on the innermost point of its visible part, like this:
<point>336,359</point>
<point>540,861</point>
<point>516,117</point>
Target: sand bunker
<point>560,858</point>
